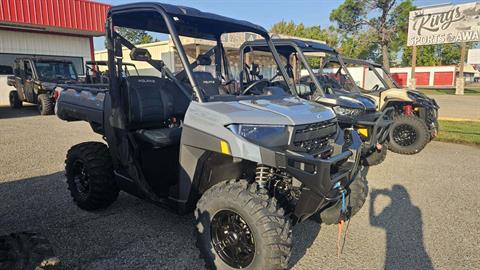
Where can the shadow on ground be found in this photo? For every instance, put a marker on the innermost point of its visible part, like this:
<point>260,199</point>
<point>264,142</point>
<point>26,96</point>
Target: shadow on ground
<point>131,234</point>
<point>402,222</point>
<point>25,111</point>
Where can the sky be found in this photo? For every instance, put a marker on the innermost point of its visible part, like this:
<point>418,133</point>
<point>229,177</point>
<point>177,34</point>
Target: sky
<point>268,12</point>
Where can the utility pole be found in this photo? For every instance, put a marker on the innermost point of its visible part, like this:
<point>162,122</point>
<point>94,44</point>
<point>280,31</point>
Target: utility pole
<point>461,79</point>
<point>413,81</point>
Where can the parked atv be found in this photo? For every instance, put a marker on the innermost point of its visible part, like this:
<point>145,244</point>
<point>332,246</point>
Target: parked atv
<point>250,166</point>
<point>353,110</point>
<point>415,115</point>
<point>35,80</point>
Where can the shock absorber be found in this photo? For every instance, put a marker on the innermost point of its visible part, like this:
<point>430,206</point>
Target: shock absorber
<point>262,175</point>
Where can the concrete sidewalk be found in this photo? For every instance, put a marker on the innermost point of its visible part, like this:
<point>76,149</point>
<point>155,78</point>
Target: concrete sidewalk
<point>463,107</point>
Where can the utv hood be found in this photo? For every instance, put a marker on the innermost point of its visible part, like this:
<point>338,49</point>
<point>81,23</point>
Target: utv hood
<point>287,111</point>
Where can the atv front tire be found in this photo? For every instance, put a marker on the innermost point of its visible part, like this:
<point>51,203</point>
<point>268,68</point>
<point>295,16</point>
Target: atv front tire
<point>354,200</point>
<point>26,251</point>
<point>90,178</point>
<point>45,104</point>
<point>239,227</point>
<point>408,135</point>
<point>14,100</point>
<point>376,156</point>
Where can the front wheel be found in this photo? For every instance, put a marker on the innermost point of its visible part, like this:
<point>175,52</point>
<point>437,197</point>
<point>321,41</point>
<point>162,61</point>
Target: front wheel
<point>355,199</point>
<point>239,227</point>
<point>45,104</point>
<point>376,156</point>
<point>14,100</point>
<point>408,135</point>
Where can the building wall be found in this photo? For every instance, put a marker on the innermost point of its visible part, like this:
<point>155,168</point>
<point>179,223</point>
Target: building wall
<point>14,43</point>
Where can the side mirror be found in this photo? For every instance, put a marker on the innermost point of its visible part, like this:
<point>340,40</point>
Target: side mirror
<point>140,54</point>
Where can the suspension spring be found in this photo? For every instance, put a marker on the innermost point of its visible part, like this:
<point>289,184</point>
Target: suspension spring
<point>262,175</point>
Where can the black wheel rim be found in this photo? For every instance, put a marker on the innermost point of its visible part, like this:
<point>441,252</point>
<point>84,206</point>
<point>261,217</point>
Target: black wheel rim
<point>232,239</point>
<point>404,135</point>
<point>80,178</point>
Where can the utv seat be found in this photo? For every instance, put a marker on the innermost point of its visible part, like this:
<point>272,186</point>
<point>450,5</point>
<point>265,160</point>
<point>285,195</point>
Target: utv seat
<point>207,83</point>
<point>152,102</point>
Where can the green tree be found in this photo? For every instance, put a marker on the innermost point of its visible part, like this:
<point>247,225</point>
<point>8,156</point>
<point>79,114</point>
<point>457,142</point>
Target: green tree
<point>378,17</point>
<point>135,36</point>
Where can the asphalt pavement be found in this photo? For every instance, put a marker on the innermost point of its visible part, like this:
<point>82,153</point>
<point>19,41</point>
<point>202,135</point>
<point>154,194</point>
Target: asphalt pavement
<point>461,107</point>
<point>422,212</point>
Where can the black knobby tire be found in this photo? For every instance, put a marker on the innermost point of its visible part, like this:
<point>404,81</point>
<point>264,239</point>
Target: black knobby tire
<point>90,178</point>
<point>14,100</point>
<point>354,201</point>
<point>412,144</point>
<point>26,251</point>
<point>376,156</point>
<point>45,104</point>
<point>265,220</point>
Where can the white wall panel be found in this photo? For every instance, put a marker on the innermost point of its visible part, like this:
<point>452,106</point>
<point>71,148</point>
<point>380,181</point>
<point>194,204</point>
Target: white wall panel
<point>43,44</point>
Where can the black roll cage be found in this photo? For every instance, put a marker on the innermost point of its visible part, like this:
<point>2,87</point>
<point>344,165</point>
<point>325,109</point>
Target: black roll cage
<point>375,66</point>
<point>298,47</point>
<point>114,42</point>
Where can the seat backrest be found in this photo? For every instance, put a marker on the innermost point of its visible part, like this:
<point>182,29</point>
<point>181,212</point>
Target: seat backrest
<point>150,101</point>
<point>207,83</point>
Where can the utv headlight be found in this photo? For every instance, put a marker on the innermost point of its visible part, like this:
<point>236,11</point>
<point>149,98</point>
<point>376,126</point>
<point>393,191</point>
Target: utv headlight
<point>349,112</point>
<point>264,135</point>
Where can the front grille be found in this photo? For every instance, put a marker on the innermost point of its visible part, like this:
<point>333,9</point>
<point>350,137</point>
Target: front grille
<point>314,138</point>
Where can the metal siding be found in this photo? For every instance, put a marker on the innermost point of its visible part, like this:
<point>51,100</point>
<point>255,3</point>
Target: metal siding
<point>44,44</point>
<point>77,15</point>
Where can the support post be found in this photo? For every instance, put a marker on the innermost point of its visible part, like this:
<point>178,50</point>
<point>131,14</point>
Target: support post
<point>413,81</point>
<point>197,50</point>
<point>461,78</point>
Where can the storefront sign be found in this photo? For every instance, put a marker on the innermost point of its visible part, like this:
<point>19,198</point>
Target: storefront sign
<point>444,24</point>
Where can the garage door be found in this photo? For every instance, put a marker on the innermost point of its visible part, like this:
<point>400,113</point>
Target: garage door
<point>423,78</point>
<point>443,78</point>
<point>400,78</point>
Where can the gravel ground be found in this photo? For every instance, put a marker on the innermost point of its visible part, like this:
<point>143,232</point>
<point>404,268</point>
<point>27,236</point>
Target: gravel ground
<point>424,214</point>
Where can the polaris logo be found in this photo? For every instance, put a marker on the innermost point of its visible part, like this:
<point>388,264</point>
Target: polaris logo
<point>146,81</point>
<point>208,82</point>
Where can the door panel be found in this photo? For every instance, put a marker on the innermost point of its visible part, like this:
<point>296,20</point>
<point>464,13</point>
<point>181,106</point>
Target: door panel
<point>28,83</point>
<point>444,78</point>
<point>423,78</point>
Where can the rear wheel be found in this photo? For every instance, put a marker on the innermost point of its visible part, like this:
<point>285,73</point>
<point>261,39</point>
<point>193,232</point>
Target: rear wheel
<point>239,227</point>
<point>14,100</point>
<point>45,104</point>
<point>357,195</point>
<point>90,177</point>
<point>376,156</point>
<point>408,135</point>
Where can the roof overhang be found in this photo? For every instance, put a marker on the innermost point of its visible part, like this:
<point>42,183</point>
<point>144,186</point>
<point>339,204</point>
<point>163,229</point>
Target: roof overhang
<point>77,17</point>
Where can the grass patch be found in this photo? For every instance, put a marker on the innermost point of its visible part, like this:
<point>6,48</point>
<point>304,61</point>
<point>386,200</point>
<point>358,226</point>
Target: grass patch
<point>473,91</point>
<point>459,132</point>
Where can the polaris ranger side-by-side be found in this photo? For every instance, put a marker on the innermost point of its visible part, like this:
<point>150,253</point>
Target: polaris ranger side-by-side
<point>35,80</point>
<point>415,115</point>
<point>249,166</point>
<point>352,109</point>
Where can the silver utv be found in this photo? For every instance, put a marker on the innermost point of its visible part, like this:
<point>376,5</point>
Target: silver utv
<point>248,166</point>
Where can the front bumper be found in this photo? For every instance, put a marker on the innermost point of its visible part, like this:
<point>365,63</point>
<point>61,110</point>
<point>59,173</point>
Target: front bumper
<point>376,126</point>
<point>322,178</point>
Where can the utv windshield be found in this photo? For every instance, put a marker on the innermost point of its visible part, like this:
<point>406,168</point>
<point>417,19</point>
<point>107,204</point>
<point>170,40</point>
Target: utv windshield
<point>52,71</point>
<point>201,56</point>
<point>369,77</point>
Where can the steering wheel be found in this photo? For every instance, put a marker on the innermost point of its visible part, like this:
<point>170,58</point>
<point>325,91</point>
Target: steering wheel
<point>375,88</point>
<point>255,84</point>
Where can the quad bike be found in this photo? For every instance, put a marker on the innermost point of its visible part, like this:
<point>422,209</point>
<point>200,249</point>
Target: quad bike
<point>35,80</point>
<point>415,115</point>
<point>248,165</point>
<point>353,110</point>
